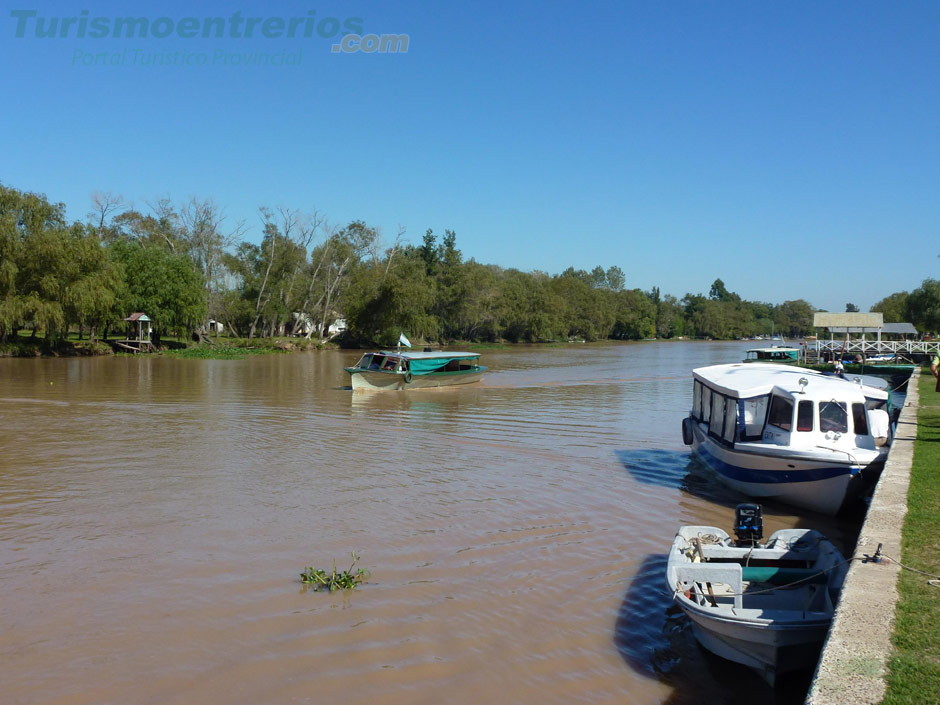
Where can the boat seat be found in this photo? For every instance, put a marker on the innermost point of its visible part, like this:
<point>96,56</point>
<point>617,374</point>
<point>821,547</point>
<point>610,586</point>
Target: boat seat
<point>782,576</point>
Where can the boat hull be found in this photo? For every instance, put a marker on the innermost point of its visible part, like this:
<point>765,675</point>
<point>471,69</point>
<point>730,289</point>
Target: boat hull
<point>820,485</point>
<point>393,381</point>
<point>770,649</point>
<point>765,606</point>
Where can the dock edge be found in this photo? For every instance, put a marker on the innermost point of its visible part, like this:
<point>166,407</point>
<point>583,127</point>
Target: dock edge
<point>854,661</point>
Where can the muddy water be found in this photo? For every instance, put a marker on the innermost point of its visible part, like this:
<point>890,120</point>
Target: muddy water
<point>155,515</point>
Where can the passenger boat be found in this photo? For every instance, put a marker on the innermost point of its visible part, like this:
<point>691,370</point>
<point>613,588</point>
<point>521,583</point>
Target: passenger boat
<point>393,369</point>
<point>765,605</point>
<point>789,433</point>
<point>775,353</point>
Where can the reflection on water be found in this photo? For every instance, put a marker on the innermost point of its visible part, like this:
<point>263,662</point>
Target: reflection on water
<point>155,515</point>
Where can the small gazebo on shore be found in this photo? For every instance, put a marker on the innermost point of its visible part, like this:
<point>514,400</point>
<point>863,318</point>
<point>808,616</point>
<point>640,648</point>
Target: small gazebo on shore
<point>138,334</point>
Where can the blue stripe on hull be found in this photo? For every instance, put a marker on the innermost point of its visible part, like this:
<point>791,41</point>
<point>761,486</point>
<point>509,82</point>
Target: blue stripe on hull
<point>736,472</point>
<point>823,488</point>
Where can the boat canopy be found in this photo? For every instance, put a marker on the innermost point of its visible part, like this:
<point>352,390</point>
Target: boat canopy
<point>744,381</point>
<point>422,363</point>
<point>774,354</point>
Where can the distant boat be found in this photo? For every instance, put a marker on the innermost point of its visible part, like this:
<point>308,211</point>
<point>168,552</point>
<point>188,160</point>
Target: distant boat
<point>774,353</point>
<point>789,433</point>
<point>766,606</point>
<point>391,370</point>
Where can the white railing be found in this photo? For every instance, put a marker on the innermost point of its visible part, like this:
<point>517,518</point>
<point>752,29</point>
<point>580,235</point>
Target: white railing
<point>874,347</point>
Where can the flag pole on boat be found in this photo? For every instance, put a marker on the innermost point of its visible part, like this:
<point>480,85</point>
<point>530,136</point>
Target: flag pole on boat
<point>402,340</point>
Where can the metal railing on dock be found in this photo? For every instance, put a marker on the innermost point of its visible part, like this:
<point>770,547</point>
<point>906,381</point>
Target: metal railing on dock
<point>913,351</point>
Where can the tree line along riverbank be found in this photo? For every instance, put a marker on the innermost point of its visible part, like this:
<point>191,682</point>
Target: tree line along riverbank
<point>190,270</point>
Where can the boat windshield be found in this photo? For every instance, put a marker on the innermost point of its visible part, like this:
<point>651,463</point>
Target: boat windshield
<point>833,416</point>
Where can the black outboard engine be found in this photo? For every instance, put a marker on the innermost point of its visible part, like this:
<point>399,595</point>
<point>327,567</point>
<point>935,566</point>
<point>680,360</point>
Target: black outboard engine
<point>748,524</point>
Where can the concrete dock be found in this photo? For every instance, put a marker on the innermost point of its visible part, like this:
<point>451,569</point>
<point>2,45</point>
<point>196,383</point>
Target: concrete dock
<point>854,660</point>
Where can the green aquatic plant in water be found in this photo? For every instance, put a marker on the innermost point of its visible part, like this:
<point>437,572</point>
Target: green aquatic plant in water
<point>335,580</point>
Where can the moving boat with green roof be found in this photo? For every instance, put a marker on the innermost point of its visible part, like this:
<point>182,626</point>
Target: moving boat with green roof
<point>393,369</point>
<point>775,353</point>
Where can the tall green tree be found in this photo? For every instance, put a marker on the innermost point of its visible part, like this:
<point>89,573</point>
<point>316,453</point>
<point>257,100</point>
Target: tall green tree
<point>162,284</point>
<point>34,263</point>
<point>95,282</point>
<point>793,318</point>
<point>924,306</point>
<point>894,308</point>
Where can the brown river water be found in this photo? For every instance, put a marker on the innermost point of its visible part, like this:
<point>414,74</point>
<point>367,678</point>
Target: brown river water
<point>155,515</point>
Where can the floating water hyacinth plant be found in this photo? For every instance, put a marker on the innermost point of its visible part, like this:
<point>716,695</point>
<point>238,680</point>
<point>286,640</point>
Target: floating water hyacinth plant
<point>336,580</point>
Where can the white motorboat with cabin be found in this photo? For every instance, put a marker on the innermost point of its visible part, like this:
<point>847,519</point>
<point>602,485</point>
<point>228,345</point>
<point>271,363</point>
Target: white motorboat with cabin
<point>393,369</point>
<point>789,433</point>
<point>765,605</point>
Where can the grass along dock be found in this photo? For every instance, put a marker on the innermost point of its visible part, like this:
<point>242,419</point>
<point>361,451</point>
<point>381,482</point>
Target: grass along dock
<point>884,644</point>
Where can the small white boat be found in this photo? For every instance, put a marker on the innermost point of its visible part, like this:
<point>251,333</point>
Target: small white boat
<point>392,369</point>
<point>788,433</point>
<point>766,606</point>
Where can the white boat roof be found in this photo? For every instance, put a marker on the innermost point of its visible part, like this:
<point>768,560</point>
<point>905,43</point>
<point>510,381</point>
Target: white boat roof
<point>753,379</point>
<point>428,355</point>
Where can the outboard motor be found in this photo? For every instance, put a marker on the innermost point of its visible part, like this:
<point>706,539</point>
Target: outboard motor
<point>748,524</point>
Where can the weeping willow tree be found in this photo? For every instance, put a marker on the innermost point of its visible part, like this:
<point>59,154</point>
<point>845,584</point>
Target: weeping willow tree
<point>52,274</point>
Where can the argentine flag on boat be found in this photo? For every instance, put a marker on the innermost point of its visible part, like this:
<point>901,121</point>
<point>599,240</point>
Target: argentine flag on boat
<point>402,340</point>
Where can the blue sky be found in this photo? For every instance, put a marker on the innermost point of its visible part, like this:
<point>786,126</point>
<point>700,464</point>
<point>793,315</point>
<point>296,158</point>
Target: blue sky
<point>790,148</point>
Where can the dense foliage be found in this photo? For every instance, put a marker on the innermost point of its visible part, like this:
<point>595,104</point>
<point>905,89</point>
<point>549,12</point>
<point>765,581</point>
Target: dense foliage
<point>185,268</point>
<point>920,307</point>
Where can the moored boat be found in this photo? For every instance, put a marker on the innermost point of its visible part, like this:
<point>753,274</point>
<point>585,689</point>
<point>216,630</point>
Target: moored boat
<point>764,605</point>
<point>396,370</point>
<point>775,353</point>
<point>789,433</point>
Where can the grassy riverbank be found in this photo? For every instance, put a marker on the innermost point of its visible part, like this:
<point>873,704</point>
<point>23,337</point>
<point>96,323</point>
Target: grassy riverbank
<point>25,346</point>
<point>234,348</point>
<point>914,676</point>
<point>223,348</point>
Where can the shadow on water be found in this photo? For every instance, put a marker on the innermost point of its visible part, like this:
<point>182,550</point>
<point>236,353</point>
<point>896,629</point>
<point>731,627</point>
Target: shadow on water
<point>655,639</point>
<point>677,469</point>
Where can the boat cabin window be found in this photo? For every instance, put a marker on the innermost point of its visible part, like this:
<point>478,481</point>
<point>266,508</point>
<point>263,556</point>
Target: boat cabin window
<point>731,419</point>
<point>376,363</point>
<point>755,411</point>
<point>804,415</point>
<point>859,419</point>
<point>833,416</point>
<point>364,361</point>
<point>390,363</point>
<point>871,404</point>
<point>697,400</point>
<point>718,414</point>
<point>781,413</point>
